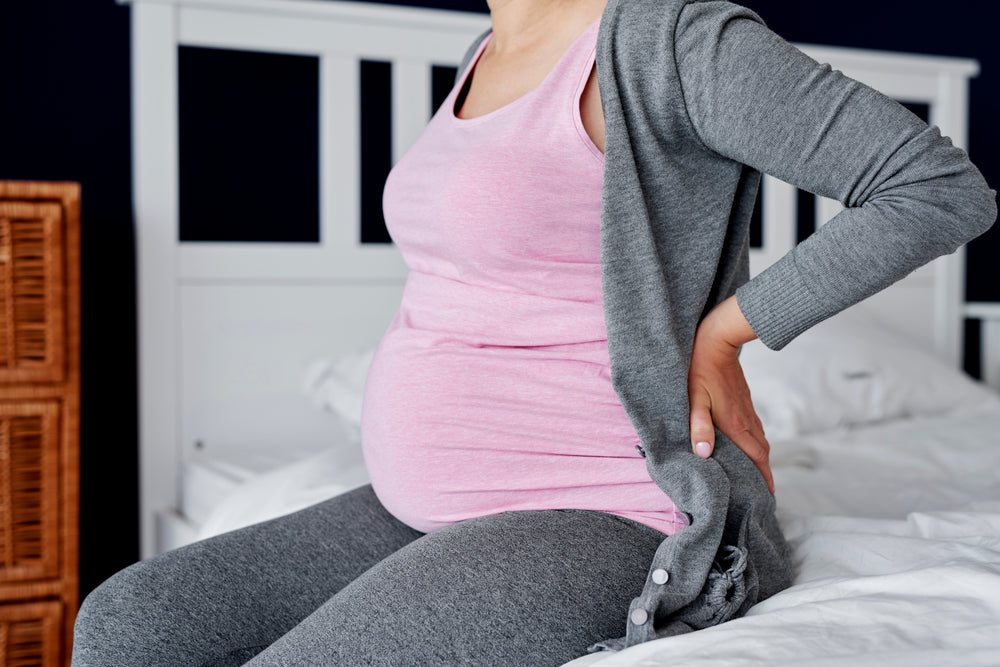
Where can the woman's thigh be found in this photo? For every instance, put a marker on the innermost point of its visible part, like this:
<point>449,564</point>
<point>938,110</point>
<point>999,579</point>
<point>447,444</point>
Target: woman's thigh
<point>518,588</point>
<point>220,601</point>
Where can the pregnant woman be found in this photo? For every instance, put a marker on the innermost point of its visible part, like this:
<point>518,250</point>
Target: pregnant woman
<point>562,447</point>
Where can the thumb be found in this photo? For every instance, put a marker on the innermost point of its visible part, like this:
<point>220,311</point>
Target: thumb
<point>702,428</point>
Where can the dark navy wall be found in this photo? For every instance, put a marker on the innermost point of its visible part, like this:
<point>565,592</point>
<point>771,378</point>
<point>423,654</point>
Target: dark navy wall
<point>64,114</point>
<point>64,110</point>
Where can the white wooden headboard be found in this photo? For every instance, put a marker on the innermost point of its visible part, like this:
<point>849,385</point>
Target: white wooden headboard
<point>227,329</point>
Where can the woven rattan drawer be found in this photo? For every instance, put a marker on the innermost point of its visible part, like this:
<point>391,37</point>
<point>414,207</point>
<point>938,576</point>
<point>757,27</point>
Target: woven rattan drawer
<point>32,308</point>
<point>39,420</point>
<point>31,634</point>
<point>29,490</point>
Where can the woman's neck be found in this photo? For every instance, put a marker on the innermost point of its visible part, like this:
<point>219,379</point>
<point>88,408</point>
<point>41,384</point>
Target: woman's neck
<point>518,24</point>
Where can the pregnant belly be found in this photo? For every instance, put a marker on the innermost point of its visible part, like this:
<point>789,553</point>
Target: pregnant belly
<point>453,431</point>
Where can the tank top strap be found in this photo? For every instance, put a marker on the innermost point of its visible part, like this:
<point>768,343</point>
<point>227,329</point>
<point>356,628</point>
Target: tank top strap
<point>562,86</point>
<point>569,76</point>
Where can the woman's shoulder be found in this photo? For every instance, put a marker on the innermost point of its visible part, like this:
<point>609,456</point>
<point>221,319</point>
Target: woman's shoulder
<point>665,17</point>
<point>679,39</point>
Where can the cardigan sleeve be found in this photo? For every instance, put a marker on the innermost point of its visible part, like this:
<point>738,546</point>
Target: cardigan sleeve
<point>910,195</point>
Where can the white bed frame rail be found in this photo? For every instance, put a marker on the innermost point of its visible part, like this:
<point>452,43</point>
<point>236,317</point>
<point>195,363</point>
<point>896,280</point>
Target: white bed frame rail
<point>225,328</point>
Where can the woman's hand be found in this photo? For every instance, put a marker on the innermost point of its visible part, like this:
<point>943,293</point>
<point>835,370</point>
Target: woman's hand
<point>718,391</point>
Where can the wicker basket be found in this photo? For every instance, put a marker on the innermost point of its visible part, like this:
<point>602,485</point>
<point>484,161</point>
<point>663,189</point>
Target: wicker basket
<point>39,420</point>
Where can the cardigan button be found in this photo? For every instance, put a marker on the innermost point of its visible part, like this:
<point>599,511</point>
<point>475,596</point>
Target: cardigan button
<point>660,576</point>
<point>639,616</point>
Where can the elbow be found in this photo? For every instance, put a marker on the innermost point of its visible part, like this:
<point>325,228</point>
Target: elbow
<point>971,207</point>
<point>952,192</point>
<point>987,209</point>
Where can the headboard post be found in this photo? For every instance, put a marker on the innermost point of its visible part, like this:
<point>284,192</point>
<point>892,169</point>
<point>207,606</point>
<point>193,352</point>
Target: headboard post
<point>154,141</point>
<point>949,111</point>
<point>988,315</point>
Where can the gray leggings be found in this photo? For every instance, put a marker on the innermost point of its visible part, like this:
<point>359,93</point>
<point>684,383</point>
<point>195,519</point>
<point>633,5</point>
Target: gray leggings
<point>345,583</point>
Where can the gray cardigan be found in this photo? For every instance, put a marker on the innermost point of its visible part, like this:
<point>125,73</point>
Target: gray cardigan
<point>699,98</point>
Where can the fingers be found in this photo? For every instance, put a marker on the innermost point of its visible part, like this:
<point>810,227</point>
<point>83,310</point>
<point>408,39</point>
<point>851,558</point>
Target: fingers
<point>758,450</point>
<point>702,427</point>
<point>746,432</point>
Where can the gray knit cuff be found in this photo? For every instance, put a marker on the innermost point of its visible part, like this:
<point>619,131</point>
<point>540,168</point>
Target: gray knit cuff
<point>778,305</point>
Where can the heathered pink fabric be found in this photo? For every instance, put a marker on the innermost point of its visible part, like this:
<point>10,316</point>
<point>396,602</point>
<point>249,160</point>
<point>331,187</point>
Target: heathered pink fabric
<point>491,389</point>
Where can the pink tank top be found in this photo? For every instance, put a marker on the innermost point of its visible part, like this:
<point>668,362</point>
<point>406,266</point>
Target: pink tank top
<point>491,389</point>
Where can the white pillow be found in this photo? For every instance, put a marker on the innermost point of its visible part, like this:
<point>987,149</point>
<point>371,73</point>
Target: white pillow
<point>338,386</point>
<point>848,371</point>
<point>286,489</point>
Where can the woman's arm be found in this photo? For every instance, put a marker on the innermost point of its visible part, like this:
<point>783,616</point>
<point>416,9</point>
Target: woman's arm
<point>910,195</point>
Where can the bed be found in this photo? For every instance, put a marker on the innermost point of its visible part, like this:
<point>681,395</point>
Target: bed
<point>253,356</point>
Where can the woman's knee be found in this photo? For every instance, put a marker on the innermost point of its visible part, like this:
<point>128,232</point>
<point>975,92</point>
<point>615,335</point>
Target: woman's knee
<point>110,622</point>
